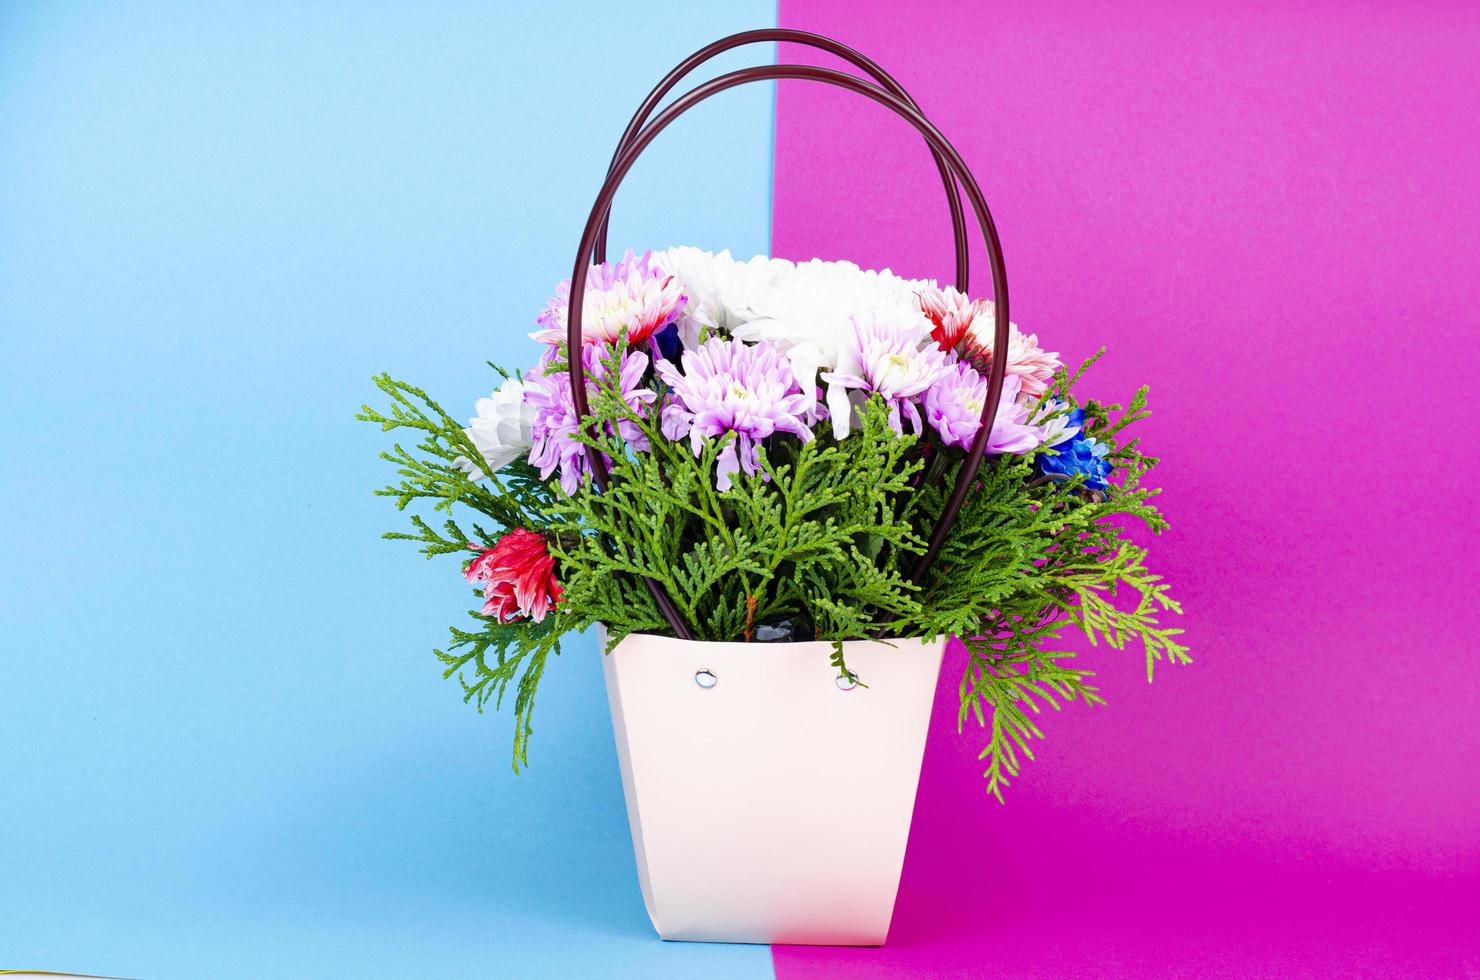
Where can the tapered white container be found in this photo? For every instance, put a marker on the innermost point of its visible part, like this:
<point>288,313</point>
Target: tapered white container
<point>773,806</point>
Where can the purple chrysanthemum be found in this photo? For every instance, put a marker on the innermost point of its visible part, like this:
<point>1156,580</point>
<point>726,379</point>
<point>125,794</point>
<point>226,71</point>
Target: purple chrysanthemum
<point>954,404</point>
<point>894,358</point>
<point>630,295</point>
<point>554,426</point>
<point>730,386</point>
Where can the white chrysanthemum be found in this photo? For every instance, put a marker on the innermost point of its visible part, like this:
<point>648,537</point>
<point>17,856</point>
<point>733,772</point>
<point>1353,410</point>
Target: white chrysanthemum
<point>501,430</point>
<point>721,290</point>
<point>807,312</point>
<point>1061,427</point>
<point>805,309</point>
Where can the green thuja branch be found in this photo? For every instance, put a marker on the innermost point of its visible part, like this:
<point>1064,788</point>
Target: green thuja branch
<point>836,659</point>
<point>799,538</point>
<point>436,470</point>
<point>454,541</point>
<point>818,535</point>
<point>1029,557</point>
<point>500,654</point>
<point>1008,681</point>
<point>1089,603</point>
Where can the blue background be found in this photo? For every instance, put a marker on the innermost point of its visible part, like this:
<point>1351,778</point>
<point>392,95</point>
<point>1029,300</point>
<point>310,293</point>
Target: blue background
<point>225,747</point>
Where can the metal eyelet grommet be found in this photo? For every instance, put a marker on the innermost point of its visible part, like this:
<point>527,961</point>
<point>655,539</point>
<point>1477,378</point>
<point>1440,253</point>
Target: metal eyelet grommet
<point>705,678</point>
<point>846,682</point>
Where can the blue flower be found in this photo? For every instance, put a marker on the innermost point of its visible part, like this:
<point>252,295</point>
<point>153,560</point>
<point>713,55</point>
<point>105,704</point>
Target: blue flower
<point>669,344</point>
<point>1078,456</point>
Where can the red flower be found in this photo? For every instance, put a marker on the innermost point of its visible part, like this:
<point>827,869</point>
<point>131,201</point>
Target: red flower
<point>517,575</point>
<point>950,314</point>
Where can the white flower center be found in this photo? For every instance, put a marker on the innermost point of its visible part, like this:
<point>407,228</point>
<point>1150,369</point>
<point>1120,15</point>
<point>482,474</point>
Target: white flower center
<point>613,311</point>
<point>892,371</point>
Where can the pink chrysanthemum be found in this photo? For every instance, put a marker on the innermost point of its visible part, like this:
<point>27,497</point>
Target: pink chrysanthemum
<point>954,404</point>
<point>888,357</point>
<point>632,295</point>
<point>730,386</point>
<point>972,325</point>
<point>517,575</point>
<point>554,426</point>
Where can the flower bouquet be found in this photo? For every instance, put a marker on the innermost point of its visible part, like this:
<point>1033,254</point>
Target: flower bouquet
<point>775,488</point>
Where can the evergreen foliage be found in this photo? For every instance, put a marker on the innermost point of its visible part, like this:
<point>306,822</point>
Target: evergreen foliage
<point>824,535</point>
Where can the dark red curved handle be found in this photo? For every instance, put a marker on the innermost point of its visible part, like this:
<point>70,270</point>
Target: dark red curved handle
<point>818,41</point>
<point>599,211</point>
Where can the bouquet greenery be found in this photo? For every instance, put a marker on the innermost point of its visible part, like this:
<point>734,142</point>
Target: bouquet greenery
<point>765,449</point>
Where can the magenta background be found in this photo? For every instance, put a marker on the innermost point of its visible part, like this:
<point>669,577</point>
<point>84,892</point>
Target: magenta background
<point>1269,213</point>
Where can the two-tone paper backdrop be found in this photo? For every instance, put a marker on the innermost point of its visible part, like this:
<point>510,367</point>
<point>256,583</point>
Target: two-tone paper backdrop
<point>224,749</point>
